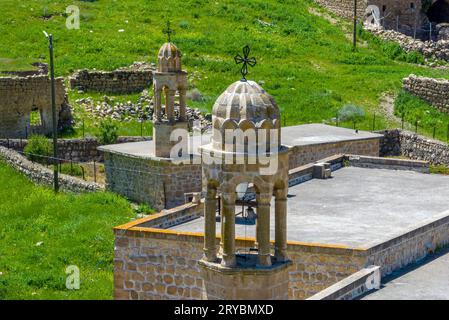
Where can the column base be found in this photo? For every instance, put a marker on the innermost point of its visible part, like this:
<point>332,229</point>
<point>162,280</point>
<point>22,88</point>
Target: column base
<point>241,283</point>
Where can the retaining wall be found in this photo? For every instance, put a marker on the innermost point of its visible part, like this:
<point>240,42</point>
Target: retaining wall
<point>404,143</point>
<point>434,91</point>
<point>44,176</point>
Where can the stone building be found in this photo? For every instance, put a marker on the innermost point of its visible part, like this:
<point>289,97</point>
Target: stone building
<point>407,16</point>
<point>336,222</point>
<point>25,106</point>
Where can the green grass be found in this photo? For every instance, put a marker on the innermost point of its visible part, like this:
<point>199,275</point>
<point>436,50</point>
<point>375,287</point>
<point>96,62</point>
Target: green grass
<point>306,62</point>
<point>73,229</point>
<point>440,169</point>
<point>431,122</point>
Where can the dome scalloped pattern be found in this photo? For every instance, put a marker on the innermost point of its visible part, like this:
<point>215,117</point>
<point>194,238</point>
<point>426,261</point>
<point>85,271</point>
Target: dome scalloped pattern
<point>169,58</point>
<point>245,100</point>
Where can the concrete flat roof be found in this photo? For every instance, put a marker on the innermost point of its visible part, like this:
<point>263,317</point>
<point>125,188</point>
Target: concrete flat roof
<point>358,207</point>
<point>427,280</point>
<point>301,135</point>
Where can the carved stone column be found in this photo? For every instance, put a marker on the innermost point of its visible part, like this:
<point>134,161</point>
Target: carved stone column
<point>263,229</point>
<point>281,225</point>
<point>157,104</point>
<point>228,229</point>
<point>169,104</point>
<point>210,208</point>
<point>182,105</point>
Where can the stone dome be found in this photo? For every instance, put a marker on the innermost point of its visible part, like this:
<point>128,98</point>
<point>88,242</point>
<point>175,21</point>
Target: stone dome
<point>169,58</point>
<point>244,105</point>
<point>245,100</point>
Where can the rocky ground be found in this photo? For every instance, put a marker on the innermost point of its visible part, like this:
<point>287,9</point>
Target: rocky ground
<point>143,109</point>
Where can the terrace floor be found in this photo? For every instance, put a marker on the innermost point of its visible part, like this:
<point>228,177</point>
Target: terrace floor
<point>358,207</point>
<point>427,280</point>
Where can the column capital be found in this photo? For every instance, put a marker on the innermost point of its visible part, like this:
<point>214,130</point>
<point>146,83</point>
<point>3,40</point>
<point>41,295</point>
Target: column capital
<point>228,198</point>
<point>263,199</point>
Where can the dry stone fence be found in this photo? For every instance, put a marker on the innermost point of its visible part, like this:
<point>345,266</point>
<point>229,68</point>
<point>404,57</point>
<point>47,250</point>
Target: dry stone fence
<point>434,91</point>
<point>403,143</point>
<point>134,78</point>
<point>20,96</point>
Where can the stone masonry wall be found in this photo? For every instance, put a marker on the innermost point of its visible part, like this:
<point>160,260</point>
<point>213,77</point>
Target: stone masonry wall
<point>434,91</point>
<point>118,81</point>
<point>44,176</point>
<point>77,150</point>
<point>161,264</point>
<point>19,96</point>
<point>167,267</point>
<point>160,183</point>
<point>301,155</point>
<point>410,247</point>
<point>413,146</point>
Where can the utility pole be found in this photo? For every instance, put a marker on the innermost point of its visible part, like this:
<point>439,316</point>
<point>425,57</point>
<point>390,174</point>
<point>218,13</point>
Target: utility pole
<point>355,26</point>
<point>53,111</point>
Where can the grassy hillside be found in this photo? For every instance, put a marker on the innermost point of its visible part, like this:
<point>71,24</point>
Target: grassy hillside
<point>304,60</point>
<point>42,234</point>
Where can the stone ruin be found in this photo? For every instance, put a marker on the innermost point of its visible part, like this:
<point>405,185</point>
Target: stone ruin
<point>134,78</point>
<point>410,17</point>
<point>25,98</point>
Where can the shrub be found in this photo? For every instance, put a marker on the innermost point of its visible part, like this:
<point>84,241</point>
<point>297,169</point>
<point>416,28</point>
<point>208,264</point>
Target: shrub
<point>108,132</point>
<point>351,112</point>
<point>38,149</point>
<point>194,95</point>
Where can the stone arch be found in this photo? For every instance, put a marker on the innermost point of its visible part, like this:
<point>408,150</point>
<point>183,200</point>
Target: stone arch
<point>439,11</point>
<point>228,124</point>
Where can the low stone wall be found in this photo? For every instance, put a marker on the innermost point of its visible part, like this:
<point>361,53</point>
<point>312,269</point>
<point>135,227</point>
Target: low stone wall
<point>386,163</point>
<point>126,80</point>
<point>403,143</point>
<point>77,150</point>
<point>351,287</point>
<point>438,50</point>
<point>301,155</point>
<point>44,176</point>
<point>412,246</point>
<point>434,91</point>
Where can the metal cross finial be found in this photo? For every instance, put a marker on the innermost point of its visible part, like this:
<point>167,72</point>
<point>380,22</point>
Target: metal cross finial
<point>246,61</point>
<point>168,31</point>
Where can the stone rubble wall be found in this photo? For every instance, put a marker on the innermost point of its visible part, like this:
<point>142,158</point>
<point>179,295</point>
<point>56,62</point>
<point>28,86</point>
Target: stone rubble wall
<point>344,8</point>
<point>438,50</point>
<point>118,81</point>
<point>434,91</point>
<point>44,176</point>
<point>404,143</point>
<point>19,96</point>
<point>77,150</point>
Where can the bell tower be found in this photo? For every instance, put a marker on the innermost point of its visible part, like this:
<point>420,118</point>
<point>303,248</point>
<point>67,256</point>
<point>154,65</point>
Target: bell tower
<point>245,153</point>
<point>168,80</point>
